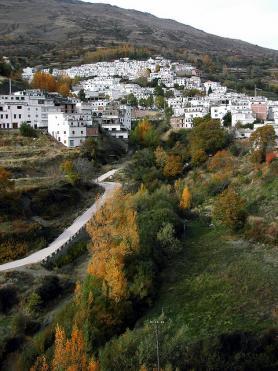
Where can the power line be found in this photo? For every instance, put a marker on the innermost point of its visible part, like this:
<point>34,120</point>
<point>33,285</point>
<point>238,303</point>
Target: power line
<point>157,323</point>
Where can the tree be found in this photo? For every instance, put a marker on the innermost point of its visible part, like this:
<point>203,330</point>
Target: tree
<point>68,169</point>
<point>132,100</point>
<point>82,95</point>
<point>159,91</point>
<point>150,101</point>
<point>26,130</point>
<point>222,161</point>
<point>206,138</point>
<point>143,102</point>
<point>44,81</point>
<point>229,209</point>
<point>169,112</point>
<point>173,166</point>
<point>227,120</point>
<point>114,234</point>
<point>34,303</point>
<point>144,134</point>
<point>5,68</point>
<point>160,157</point>
<point>40,364</point>
<point>262,140</point>
<point>69,354</point>
<point>89,149</point>
<point>185,201</point>
<point>160,102</point>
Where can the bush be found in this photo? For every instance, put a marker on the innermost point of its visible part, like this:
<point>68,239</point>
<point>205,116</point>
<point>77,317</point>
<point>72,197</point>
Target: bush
<point>49,289</point>
<point>26,130</point>
<point>8,298</point>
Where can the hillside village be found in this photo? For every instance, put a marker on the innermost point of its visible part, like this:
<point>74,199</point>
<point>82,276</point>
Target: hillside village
<point>113,94</point>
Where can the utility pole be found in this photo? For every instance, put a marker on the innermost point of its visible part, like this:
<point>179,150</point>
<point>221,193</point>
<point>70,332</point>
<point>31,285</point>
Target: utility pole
<point>156,324</point>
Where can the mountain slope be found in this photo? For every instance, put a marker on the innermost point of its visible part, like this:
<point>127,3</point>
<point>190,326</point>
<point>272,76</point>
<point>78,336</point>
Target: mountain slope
<point>34,26</point>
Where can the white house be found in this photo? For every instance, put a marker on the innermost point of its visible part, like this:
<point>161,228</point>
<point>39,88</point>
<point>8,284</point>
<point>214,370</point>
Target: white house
<point>31,106</point>
<point>71,129</point>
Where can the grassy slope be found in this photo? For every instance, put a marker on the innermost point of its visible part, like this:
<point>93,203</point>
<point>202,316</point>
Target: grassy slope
<point>219,284</point>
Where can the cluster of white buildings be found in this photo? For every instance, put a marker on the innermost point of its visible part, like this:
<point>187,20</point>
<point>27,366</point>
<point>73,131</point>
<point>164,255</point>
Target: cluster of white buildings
<point>244,110</point>
<point>67,120</point>
<point>70,121</point>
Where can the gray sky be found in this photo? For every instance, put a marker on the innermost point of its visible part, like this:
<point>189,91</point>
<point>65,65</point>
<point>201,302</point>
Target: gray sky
<point>249,20</point>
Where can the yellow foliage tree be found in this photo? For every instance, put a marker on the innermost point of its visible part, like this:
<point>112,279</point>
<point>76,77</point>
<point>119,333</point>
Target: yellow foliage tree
<point>143,128</point>
<point>160,157</point>
<point>44,81</point>
<point>114,234</point>
<point>185,201</point>
<point>173,166</point>
<point>69,354</point>
<point>229,209</point>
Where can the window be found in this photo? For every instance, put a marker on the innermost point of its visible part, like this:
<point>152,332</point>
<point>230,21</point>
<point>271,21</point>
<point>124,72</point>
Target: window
<point>71,143</point>
<point>19,116</point>
<point>14,116</point>
<point>73,132</point>
<point>81,131</point>
<point>65,132</point>
<point>19,107</point>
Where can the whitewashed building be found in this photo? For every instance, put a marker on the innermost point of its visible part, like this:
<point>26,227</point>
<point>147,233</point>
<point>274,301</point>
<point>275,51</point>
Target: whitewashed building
<point>72,129</point>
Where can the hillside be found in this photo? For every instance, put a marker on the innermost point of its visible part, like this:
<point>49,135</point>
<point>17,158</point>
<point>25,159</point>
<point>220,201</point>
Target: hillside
<point>29,27</point>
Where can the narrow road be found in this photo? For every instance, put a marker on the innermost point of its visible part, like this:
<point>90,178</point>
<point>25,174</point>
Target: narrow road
<point>71,231</point>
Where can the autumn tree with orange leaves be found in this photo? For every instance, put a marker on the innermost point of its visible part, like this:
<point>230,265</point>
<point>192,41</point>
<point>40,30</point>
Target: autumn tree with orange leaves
<point>47,82</point>
<point>186,197</point>
<point>69,354</point>
<point>114,234</point>
<point>173,166</point>
<point>44,81</point>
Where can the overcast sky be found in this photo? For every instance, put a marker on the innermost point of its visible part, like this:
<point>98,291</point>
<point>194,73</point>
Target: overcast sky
<point>255,21</point>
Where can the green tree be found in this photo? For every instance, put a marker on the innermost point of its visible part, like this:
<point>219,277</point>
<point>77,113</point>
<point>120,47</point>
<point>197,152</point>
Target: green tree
<point>160,102</point>
<point>26,130</point>
<point>227,120</point>
<point>206,138</point>
<point>34,303</point>
<point>158,91</point>
<point>68,168</point>
<point>132,100</point>
<point>150,101</point>
<point>82,95</point>
<point>262,140</point>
